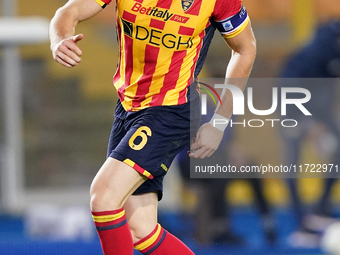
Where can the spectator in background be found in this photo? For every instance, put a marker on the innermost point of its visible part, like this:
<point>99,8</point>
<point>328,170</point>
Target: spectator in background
<point>320,58</point>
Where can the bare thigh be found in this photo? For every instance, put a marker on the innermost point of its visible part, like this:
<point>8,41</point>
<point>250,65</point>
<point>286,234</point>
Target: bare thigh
<point>113,185</point>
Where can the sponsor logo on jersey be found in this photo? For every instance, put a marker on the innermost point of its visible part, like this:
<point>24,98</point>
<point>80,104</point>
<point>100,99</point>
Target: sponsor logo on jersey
<point>227,25</point>
<point>179,18</point>
<point>186,4</point>
<point>157,37</point>
<point>127,27</point>
<point>159,13</point>
<point>152,11</point>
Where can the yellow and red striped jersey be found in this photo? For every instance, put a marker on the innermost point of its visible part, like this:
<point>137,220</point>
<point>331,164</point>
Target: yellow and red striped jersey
<point>163,44</point>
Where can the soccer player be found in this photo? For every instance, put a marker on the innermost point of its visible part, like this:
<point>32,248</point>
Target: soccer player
<point>163,44</point>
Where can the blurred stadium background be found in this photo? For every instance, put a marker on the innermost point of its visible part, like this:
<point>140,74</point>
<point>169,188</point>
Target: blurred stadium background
<point>54,129</point>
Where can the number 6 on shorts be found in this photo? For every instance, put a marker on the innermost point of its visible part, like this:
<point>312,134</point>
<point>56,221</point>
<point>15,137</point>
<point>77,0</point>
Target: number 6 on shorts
<point>139,133</point>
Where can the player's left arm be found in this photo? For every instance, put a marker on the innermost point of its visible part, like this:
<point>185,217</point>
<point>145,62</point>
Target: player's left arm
<point>243,48</point>
<point>243,56</point>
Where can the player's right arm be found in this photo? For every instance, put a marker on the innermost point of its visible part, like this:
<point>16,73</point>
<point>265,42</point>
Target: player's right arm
<point>62,29</point>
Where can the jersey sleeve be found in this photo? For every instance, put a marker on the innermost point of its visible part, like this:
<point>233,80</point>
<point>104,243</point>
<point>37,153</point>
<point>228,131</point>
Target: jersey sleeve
<point>103,3</point>
<point>230,17</point>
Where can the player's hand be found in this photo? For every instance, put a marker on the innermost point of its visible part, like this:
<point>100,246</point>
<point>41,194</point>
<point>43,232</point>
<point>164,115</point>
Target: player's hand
<point>207,140</point>
<point>66,52</point>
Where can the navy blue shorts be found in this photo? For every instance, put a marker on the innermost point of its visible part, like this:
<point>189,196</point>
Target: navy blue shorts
<point>148,140</point>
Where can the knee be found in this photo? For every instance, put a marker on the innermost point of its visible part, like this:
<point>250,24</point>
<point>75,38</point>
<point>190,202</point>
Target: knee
<point>103,199</point>
<point>96,202</point>
<point>95,198</point>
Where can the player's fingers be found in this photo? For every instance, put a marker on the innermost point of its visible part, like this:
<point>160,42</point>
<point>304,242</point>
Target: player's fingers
<point>196,153</point>
<point>70,49</point>
<point>60,61</point>
<point>211,153</point>
<point>196,142</point>
<point>194,147</point>
<point>77,38</point>
<point>70,44</point>
<point>191,153</point>
<point>207,153</point>
<point>67,59</point>
<point>203,152</point>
